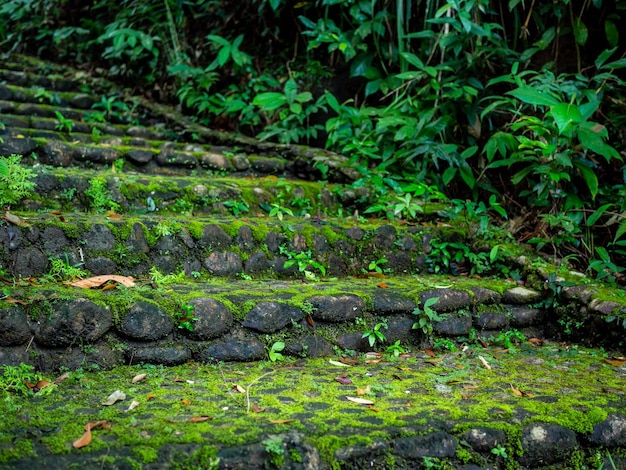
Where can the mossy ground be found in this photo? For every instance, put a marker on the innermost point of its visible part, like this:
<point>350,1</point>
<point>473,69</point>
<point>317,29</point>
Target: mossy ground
<point>246,403</point>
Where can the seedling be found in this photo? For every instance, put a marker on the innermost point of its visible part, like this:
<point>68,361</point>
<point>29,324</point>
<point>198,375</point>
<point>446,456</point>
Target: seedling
<point>63,124</point>
<point>426,316</point>
<point>375,334</point>
<point>374,266</point>
<point>396,349</point>
<point>274,351</point>
<point>186,317</point>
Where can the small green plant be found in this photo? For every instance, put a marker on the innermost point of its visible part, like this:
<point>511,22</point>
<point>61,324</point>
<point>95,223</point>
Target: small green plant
<point>444,343</point>
<point>279,211</point>
<point>112,108</point>
<point>509,338</point>
<point>44,95</point>
<point>500,451</point>
<point>118,165</point>
<point>159,279</point>
<point>303,261</point>
<point>62,269</point>
<point>407,207</point>
<point>15,180</point>
<point>237,207</point>
<point>396,349</point>
<point>165,229</point>
<point>375,335</point>
<point>604,266</point>
<point>186,317</point>
<point>426,316</point>
<point>63,124</point>
<point>374,266</point>
<point>274,447</point>
<point>274,351</point>
<point>100,197</point>
<point>13,380</point>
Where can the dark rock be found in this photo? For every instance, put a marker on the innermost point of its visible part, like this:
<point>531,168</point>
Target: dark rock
<point>603,307</point>
<point>10,238</point>
<point>213,236</point>
<point>449,299</point>
<point>385,237</point>
<point>453,325</point>
<point>546,444</point>
<point>14,356</point>
<point>74,322</point>
<point>491,320</point>
<point>483,295</point>
<point>256,263</point>
<point>363,455</point>
<point>166,355</point>
<point>274,240</point>
<point>234,350</point>
<point>54,240</point>
<point>400,328</point>
<point>355,233</point>
<point>95,154</point>
<point>320,244</point>
<point>399,263</point>
<point>14,328</point>
<point>299,242</point>
<point>101,265</point>
<point>337,266</point>
<point>436,444</point>
<point>11,146</point>
<point>97,355</point>
<point>146,322</point>
<point>140,157</point>
<point>137,239</point>
<point>166,264</point>
<point>520,296</point>
<point>191,266</point>
<point>311,346</point>
<point>215,161</point>
<point>525,316</point>
<point>407,243</point>
<point>99,238</point>
<point>353,342</point>
<point>213,319</point>
<point>269,165</point>
<point>56,154</point>
<point>484,439</point>
<point>170,245</point>
<point>240,162</point>
<point>245,240</point>
<point>387,302</point>
<point>82,101</point>
<point>611,432</point>
<point>582,293</point>
<point>176,159</point>
<point>268,317</point>
<point>30,261</point>
<point>337,308</point>
<point>225,263</point>
<point>140,132</point>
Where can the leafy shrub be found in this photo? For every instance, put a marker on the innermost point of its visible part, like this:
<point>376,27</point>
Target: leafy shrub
<point>15,180</point>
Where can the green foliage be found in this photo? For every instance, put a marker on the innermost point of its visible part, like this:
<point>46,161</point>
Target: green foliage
<point>426,316</point>
<point>63,124</point>
<point>100,196</point>
<point>274,447</point>
<point>186,317</point>
<point>304,262</point>
<point>160,280</point>
<point>396,349</point>
<point>374,335</point>
<point>60,268</point>
<point>15,180</point>
<point>274,353</point>
<point>238,207</point>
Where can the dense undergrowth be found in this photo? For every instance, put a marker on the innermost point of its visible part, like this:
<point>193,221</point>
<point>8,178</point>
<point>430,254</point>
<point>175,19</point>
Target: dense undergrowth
<point>514,110</point>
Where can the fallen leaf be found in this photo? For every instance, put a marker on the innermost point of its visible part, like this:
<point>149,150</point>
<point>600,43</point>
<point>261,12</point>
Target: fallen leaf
<point>309,320</point>
<point>382,285</point>
<point>351,361</point>
<point>178,379</point>
<point>436,360</point>
<point>360,401</point>
<point>256,408</point>
<point>97,281</point>
<point>375,410</point>
<point>239,388</point>
<point>470,387</point>
<point>113,216</point>
<point>56,212</point>
<point>484,362</point>
<point>116,396</point>
<point>42,384</point>
<point>85,439</point>
<point>337,363</point>
<point>363,391</point>
<point>373,354</point>
<point>184,401</point>
<point>61,378</point>
<point>109,286</point>
<point>484,343</point>
<point>343,380</point>
<point>199,419</point>
<point>281,421</point>
<point>616,361</point>
<point>15,220</point>
<point>430,353</point>
<point>150,396</point>
<point>138,377</point>
<point>373,361</point>
<point>396,376</point>
<point>516,391</point>
<point>535,341</point>
<point>11,300</point>
<point>133,404</point>
<point>404,369</point>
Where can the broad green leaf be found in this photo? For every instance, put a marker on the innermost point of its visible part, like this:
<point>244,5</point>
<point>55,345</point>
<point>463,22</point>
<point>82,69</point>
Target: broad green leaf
<point>591,136</point>
<point>603,254</point>
<point>332,101</point>
<point>531,96</point>
<point>618,64</point>
<point>589,176</point>
<point>469,152</point>
<point>304,97</point>
<point>448,175</point>
<point>620,231</point>
<point>291,88</point>
<point>604,56</point>
<point>593,218</point>
<point>565,115</point>
<point>468,175</point>
<point>295,108</point>
<point>612,34</point>
<point>580,31</point>
<point>413,60</point>
<point>269,101</point>
<point>147,42</point>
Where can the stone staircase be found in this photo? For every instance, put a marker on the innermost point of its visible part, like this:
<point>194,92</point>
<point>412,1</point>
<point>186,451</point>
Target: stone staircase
<point>209,248</point>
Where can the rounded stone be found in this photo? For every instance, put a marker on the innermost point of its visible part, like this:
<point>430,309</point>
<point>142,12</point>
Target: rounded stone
<point>546,444</point>
<point>268,317</point>
<point>337,308</point>
<point>165,355</point>
<point>99,238</point>
<point>226,263</point>
<point>14,329</point>
<point>146,322</point>
<point>73,322</point>
<point>233,351</point>
<point>213,319</point>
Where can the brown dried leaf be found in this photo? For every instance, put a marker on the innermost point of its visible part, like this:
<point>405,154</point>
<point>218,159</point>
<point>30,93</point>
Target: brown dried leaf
<point>382,285</point>
<point>15,220</point>
<point>363,391</point>
<point>150,396</point>
<point>516,391</point>
<point>484,362</point>
<point>61,378</point>
<point>616,361</point>
<point>373,361</point>
<point>199,419</point>
<point>435,360</point>
<point>138,378</point>
<point>113,216</point>
<point>281,421</point>
<point>239,388</point>
<point>185,402</point>
<point>11,300</point>
<point>178,379</point>
<point>535,341</point>
<point>257,409</point>
<point>343,380</point>
<point>85,439</point>
<point>97,281</point>
<point>430,353</point>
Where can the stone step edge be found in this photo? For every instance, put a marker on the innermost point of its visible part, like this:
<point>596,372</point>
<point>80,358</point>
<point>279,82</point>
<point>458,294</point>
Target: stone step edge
<point>221,325</point>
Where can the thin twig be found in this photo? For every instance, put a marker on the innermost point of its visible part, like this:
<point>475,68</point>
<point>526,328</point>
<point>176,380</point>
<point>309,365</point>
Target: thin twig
<point>252,383</point>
